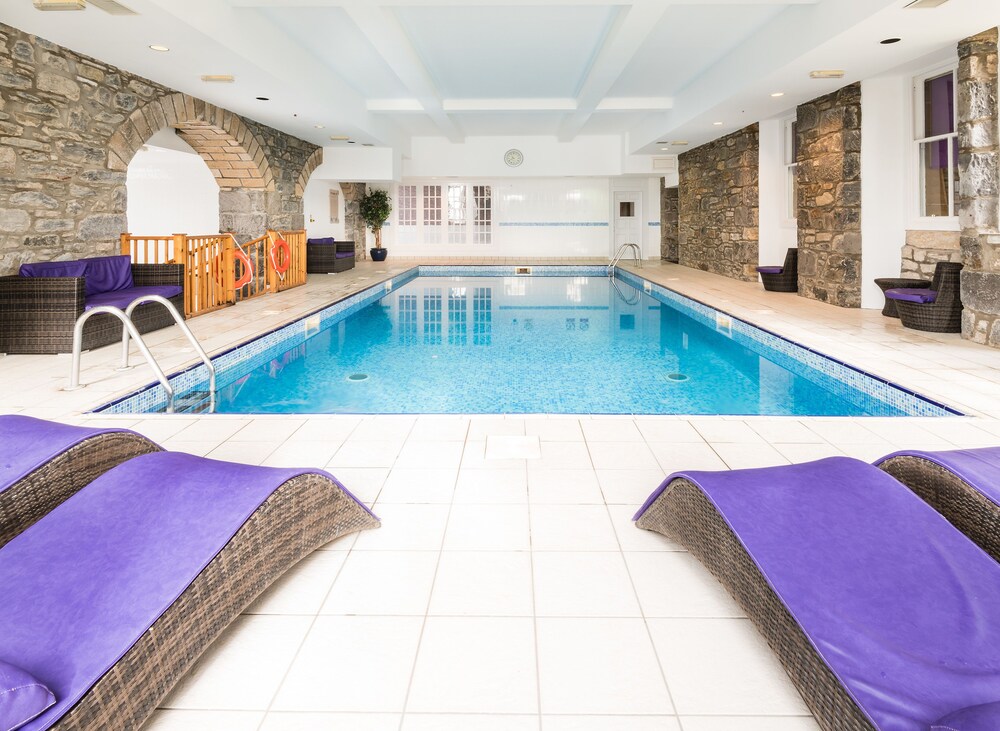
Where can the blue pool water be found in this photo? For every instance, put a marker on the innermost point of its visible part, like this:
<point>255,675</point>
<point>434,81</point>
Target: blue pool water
<point>535,344</point>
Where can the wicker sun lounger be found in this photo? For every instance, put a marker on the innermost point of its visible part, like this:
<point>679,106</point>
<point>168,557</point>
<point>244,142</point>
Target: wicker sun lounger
<point>43,462</point>
<point>963,485</point>
<point>880,611</point>
<point>784,278</point>
<point>110,598</point>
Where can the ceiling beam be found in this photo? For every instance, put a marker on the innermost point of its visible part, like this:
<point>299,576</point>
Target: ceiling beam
<point>387,37</point>
<point>628,32</point>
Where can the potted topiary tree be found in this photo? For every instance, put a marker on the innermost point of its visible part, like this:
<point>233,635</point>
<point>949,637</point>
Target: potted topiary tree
<point>376,205</point>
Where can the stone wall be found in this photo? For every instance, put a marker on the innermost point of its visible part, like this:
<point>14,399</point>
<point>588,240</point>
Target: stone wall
<point>978,198</point>
<point>70,124</point>
<point>668,222</point>
<point>829,197</point>
<point>924,249</point>
<point>718,204</point>
<point>354,225</point>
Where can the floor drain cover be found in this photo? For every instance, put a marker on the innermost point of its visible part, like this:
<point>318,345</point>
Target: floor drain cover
<point>676,377</point>
<point>358,377</point>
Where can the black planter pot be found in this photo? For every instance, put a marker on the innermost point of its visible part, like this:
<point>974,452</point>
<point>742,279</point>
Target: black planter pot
<point>378,254</point>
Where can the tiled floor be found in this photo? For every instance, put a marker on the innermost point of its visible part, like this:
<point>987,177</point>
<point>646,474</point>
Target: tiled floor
<point>508,588</point>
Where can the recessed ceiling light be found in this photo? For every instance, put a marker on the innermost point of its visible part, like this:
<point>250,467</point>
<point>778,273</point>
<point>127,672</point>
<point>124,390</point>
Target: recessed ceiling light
<point>319,126</point>
<point>368,144</point>
<point>777,94</point>
<point>351,142</point>
<point>263,99</point>
<point>890,41</point>
<point>218,78</point>
<point>717,124</point>
<point>161,49</point>
<point>664,149</point>
<point>826,74</point>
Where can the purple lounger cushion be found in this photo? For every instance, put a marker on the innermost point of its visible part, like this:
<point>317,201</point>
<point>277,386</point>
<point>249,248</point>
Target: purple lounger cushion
<point>770,270</point>
<point>123,298</point>
<point>29,443</point>
<point>22,698</point>
<point>978,718</point>
<point>108,274</point>
<point>324,240</point>
<point>111,559</point>
<point>920,296</point>
<point>53,269</point>
<point>344,255</point>
<point>900,605</point>
<point>978,467</point>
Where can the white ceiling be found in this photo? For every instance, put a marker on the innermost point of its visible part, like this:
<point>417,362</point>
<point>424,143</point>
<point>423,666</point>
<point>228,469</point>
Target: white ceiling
<point>384,71</point>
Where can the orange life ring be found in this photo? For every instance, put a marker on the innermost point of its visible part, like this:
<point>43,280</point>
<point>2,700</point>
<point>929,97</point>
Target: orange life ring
<point>241,256</point>
<point>281,265</point>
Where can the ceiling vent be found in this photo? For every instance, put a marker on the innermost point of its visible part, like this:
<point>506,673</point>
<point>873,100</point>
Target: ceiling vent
<point>924,4</point>
<point>218,78</point>
<point>664,163</point>
<point>826,74</point>
<point>112,7</point>
<point>61,4</point>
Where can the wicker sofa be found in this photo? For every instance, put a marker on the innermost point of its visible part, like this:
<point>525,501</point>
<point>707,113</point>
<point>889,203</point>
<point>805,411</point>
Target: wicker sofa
<point>937,309</point>
<point>40,306</point>
<point>326,256</point>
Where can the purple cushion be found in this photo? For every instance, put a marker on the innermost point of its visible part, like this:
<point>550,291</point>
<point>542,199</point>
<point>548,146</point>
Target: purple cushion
<point>770,270</point>
<point>123,297</point>
<point>978,718</point>
<point>85,582</point>
<point>324,240</point>
<point>22,698</point>
<point>27,443</point>
<point>108,274</point>
<point>344,255</point>
<point>978,467</point>
<point>922,296</point>
<point>900,605</point>
<point>53,269</point>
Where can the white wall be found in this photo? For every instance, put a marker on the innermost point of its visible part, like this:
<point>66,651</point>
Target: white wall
<point>885,109</point>
<point>171,190</point>
<point>316,206</point>
<point>778,233</point>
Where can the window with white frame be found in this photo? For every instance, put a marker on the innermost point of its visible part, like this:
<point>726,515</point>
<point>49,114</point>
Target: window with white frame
<point>936,142</point>
<point>455,214</point>
<point>791,161</point>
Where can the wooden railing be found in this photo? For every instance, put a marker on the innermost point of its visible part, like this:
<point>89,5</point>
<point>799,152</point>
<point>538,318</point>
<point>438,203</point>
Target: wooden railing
<point>215,263</point>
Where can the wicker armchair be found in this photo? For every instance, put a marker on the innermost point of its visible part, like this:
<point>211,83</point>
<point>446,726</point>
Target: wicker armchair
<point>784,278</point>
<point>938,309</point>
<point>37,314</point>
<point>324,256</point>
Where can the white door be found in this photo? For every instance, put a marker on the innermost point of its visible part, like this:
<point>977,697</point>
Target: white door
<point>628,219</point>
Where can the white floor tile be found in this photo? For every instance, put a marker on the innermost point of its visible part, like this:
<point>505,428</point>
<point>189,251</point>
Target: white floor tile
<point>356,664</point>
<point>383,582</point>
<point>430,455</point>
<point>243,668</point>
<point>244,452</point>
<point>598,666</point>
<point>406,528</point>
<point>162,428</point>
<point>276,721</point>
<point>572,528</point>
<point>668,430</point>
<point>741,456</point>
<point>676,457</point>
<point>610,430</point>
<point>785,431</point>
<point>481,427</point>
<point>512,447</point>
<point>335,429</point>
<point>171,720</point>
<point>439,429</point>
<point>631,538</point>
<point>628,487</point>
<point>474,458</point>
<point>302,454</point>
<point>561,456</point>
<point>675,584</point>
<point>492,486</point>
<point>303,587</point>
<point>622,456</point>
<point>466,722</point>
<point>488,528</point>
<point>484,583</point>
<point>418,486</point>
<point>268,430</point>
<point>364,483</point>
<point>475,665</point>
<point>564,486</point>
<point>607,723</point>
<point>554,430</point>
<point>749,723</point>
<point>358,453</point>
<point>722,430</point>
<point>583,584</point>
<point>722,667</point>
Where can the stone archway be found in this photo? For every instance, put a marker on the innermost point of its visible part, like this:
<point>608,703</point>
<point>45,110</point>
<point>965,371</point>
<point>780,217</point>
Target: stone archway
<point>312,162</point>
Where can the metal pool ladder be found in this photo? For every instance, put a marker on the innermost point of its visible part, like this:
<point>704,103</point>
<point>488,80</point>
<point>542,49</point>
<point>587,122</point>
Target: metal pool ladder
<point>129,328</point>
<point>636,255</point>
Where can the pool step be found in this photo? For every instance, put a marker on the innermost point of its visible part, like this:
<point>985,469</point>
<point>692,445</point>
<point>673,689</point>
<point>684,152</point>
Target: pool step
<point>191,402</point>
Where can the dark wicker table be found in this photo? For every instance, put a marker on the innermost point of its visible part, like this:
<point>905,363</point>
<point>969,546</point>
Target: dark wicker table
<point>889,310</point>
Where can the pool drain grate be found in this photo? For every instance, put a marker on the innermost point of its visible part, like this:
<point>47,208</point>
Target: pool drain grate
<point>676,377</point>
<point>358,377</point>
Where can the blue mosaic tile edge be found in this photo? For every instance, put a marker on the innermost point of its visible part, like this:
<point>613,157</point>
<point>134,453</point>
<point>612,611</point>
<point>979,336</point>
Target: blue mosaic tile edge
<point>860,388</point>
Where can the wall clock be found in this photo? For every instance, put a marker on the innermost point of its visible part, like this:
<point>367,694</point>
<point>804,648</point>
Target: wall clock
<point>513,158</point>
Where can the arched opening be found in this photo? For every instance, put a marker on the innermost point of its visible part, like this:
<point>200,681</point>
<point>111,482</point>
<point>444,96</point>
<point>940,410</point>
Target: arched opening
<point>171,189</point>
